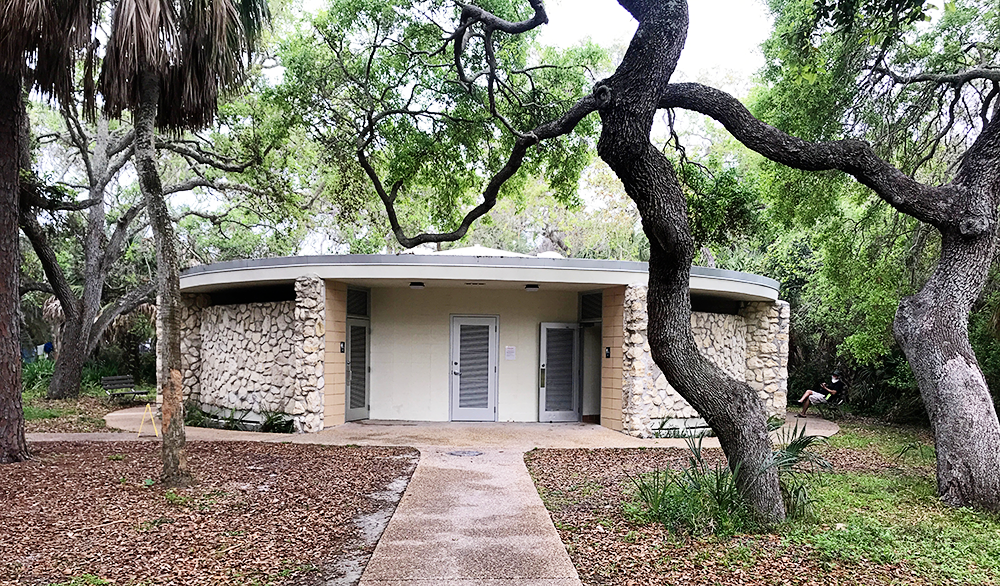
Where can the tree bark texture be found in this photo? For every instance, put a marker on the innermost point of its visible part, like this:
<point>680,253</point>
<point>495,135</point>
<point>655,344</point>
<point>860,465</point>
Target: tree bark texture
<point>175,470</point>
<point>13,447</point>
<point>931,326</point>
<point>628,101</point>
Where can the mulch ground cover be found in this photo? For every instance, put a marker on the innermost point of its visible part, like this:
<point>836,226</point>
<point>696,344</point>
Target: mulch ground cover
<point>584,491</point>
<point>261,513</point>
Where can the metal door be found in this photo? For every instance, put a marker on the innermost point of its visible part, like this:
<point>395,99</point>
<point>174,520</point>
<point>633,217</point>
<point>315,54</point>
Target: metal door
<point>558,373</point>
<point>358,348</point>
<point>474,368</point>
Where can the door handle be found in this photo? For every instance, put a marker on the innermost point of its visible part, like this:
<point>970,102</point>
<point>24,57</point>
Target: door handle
<point>541,377</point>
<point>457,373</point>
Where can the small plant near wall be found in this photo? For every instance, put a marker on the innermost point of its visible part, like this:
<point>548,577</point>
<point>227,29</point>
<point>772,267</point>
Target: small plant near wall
<point>276,422</point>
<point>268,422</point>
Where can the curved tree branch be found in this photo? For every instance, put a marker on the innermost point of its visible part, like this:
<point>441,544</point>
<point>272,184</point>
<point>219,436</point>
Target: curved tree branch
<point>932,204</point>
<point>958,78</point>
<point>123,305</point>
<point>39,286</point>
<point>552,129</point>
<point>50,264</point>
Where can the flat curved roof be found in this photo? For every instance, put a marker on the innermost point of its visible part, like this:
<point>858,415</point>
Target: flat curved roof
<point>497,272</point>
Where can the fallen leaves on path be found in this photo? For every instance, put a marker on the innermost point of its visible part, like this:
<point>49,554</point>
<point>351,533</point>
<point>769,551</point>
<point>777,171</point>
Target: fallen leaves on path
<point>261,512</point>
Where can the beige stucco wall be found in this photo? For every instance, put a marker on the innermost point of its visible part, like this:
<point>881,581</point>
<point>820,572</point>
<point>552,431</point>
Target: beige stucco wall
<point>411,337</point>
<point>612,322</point>
<point>335,361</point>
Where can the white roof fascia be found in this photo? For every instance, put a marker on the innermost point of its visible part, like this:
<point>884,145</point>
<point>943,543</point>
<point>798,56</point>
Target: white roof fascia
<point>407,268</point>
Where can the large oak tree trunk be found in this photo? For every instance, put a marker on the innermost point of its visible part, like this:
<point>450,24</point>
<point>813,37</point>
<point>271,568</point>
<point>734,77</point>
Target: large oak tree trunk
<point>13,447</point>
<point>175,470</point>
<point>932,327</point>
<point>628,102</point>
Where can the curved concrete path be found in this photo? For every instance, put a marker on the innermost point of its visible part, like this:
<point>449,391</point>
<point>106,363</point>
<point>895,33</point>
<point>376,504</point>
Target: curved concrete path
<point>470,514</point>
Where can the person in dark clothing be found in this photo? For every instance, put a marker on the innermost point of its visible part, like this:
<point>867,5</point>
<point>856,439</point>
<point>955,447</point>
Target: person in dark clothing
<point>830,391</point>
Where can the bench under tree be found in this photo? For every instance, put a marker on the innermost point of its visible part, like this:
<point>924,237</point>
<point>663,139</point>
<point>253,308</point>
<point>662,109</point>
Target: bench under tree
<point>121,386</point>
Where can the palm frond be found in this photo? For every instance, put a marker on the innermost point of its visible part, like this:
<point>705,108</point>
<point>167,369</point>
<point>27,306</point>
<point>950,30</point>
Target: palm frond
<point>144,37</point>
<point>43,38</point>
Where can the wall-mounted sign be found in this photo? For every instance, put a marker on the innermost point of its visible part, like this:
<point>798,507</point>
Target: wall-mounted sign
<point>510,352</point>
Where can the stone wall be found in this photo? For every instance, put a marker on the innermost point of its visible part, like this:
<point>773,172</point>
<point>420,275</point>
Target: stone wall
<point>746,346</point>
<point>767,352</point>
<point>257,357</point>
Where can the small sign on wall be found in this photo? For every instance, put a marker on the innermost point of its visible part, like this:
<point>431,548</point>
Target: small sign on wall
<point>510,352</point>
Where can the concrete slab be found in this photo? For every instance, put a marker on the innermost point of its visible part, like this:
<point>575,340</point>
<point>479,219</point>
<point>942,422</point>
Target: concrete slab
<point>419,434</point>
<point>470,520</point>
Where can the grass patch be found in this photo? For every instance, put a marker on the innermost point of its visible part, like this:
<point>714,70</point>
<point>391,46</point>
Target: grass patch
<point>34,412</point>
<point>909,446</point>
<point>887,518</point>
<point>571,495</point>
<point>82,580</point>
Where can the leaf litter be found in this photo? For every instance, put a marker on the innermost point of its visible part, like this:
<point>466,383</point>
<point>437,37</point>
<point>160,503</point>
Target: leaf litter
<point>262,513</point>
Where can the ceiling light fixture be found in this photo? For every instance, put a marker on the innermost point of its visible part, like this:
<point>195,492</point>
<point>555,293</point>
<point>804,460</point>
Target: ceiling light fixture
<point>531,287</point>
<point>416,285</point>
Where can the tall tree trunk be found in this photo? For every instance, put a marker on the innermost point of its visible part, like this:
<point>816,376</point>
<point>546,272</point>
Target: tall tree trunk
<point>628,102</point>
<point>175,471</point>
<point>67,373</point>
<point>13,447</point>
<point>932,327</point>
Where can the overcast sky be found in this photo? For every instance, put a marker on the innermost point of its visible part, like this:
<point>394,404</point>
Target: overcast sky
<point>723,35</point>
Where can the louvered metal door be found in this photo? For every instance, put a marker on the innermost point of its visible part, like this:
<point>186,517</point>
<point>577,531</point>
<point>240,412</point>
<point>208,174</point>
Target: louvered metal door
<point>558,373</point>
<point>357,399</point>
<point>473,368</point>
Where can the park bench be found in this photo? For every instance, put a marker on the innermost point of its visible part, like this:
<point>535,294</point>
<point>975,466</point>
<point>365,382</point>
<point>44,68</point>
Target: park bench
<point>120,386</point>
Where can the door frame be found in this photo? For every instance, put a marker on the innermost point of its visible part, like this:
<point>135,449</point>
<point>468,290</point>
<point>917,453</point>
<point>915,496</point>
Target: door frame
<point>560,416</point>
<point>360,412</point>
<point>493,388</point>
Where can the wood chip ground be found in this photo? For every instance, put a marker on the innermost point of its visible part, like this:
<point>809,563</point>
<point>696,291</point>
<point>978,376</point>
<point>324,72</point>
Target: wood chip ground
<point>261,513</point>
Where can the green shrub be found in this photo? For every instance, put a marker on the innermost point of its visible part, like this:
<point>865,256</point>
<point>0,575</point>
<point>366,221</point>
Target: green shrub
<point>194,416</point>
<point>35,376</point>
<point>796,462</point>
<point>697,500</point>
<point>705,500</point>
<point>93,372</point>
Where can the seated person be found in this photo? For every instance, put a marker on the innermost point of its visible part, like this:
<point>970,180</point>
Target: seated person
<point>812,397</point>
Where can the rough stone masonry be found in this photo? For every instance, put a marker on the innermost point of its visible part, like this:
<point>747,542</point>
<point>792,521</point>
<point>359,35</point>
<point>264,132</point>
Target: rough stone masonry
<point>750,346</point>
<point>259,358</point>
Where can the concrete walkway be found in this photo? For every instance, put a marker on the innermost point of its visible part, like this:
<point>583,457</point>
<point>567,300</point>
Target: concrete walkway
<point>421,434</point>
<point>470,515</point>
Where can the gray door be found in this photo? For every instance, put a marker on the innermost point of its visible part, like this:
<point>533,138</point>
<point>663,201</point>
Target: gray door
<point>357,399</point>
<point>558,373</point>
<point>474,368</point>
